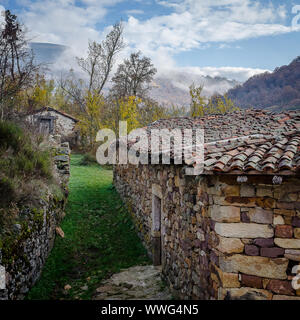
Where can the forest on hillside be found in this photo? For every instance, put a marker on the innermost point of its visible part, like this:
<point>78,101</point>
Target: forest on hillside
<point>279,90</point>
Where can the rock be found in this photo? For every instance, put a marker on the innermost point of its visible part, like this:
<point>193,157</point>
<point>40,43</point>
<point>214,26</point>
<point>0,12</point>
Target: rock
<point>244,294</point>
<point>264,192</point>
<point>285,205</point>
<point>284,231</point>
<point>62,158</point>
<point>287,243</point>
<point>230,245</point>
<point>271,252</point>
<point>60,232</point>
<point>247,190</point>
<point>228,280</point>
<point>297,233</point>
<point>251,281</point>
<point>292,254</point>
<point>17,228</point>
<point>282,297</point>
<point>225,213</point>
<point>284,212</point>
<point>251,250</point>
<point>257,266</point>
<point>278,220</point>
<point>260,215</point>
<point>264,242</point>
<point>231,190</point>
<point>296,222</point>
<point>244,230</point>
<point>266,203</point>
<point>84,288</point>
<point>138,283</point>
<point>245,217</point>
<point>280,287</point>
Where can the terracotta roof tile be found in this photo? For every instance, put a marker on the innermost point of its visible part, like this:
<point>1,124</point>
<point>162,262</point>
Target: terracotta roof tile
<point>247,141</point>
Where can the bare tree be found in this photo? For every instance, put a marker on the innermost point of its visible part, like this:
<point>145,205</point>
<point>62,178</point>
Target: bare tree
<point>101,58</point>
<point>74,89</point>
<point>133,76</point>
<point>17,67</point>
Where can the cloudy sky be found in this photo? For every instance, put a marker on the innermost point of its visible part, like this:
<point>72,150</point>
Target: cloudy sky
<point>232,38</point>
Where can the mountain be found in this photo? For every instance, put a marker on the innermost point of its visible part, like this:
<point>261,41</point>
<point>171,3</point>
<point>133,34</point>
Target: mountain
<point>276,91</point>
<point>47,52</point>
<point>172,87</point>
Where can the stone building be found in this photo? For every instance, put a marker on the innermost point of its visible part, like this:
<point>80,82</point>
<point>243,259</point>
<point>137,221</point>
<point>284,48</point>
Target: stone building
<point>232,232</point>
<point>55,122</point>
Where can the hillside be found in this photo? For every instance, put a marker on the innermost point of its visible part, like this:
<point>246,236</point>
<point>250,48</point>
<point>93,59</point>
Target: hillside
<point>173,87</point>
<point>279,90</point>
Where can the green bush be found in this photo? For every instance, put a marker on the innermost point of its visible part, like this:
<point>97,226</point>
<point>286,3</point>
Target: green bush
<point>88,159</point>
<point>7,191</point>
<point>11,136</point>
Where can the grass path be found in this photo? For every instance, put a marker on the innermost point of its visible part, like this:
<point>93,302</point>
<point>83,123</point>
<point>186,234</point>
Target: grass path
<point>99,238</point>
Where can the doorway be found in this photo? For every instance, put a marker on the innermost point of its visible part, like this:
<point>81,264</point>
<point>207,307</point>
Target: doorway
<point>156,225</point>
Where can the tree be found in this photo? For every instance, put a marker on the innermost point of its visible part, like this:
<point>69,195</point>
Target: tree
<point>198,101</point>
<point>91,121</point>
<point>133,77</point>
<point>17,68</point>
<point>75,91</point>
<point>101,58</point>
<point>201,106</point>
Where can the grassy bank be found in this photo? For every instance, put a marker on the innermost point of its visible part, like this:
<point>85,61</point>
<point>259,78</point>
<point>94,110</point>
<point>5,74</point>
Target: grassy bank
<point>99,238</point>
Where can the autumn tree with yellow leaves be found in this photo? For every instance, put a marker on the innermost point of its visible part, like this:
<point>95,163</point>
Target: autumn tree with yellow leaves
<point>201,105</point>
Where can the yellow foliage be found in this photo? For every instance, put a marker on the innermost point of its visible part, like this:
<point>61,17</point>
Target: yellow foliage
<point>198,102</point>
<point>201,106</point>
<point>128,108</point>
<point>90,121</point>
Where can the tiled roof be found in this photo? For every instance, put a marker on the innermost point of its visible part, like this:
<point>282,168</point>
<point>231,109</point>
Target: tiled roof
<point>245,142</point>
<point>236,124</point>
<point>255,155</point>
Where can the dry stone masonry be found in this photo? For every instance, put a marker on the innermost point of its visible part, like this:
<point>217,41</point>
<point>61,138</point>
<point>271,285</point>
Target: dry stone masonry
<point>231,232</point>
<point>23,254</point>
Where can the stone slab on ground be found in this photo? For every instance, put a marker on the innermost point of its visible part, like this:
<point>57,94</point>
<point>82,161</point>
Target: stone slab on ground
<point>135,283</point>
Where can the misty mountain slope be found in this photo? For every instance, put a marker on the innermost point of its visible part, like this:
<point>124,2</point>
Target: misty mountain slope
<point>169,87</point>
<point>173,87</point>
<point>278,90</point>
<point>47,52</point>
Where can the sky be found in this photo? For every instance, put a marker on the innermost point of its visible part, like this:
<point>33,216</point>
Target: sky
<point>231,38</point>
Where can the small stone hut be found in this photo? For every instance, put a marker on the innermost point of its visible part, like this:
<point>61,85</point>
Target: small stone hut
<point>55,122</point>
<point>232,232</point>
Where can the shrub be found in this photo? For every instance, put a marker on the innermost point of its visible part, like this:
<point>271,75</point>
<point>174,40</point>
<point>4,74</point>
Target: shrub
<point>88,159</point>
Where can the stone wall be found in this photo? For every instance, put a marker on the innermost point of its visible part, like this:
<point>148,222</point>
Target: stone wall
<point>24,252</point>
<point>220,239</point>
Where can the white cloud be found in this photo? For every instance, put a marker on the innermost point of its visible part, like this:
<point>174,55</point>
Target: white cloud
<point>195,24</point>
<point>191,24</point>
<point>232,73</point>
<point>65,22</point>
<point>134,11</point>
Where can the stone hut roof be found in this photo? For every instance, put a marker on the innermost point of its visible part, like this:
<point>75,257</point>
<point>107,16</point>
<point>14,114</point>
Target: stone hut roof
<point>54,110</point>
<point>245,142</point>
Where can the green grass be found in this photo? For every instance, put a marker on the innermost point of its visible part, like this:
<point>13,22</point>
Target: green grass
<point>99,238</point>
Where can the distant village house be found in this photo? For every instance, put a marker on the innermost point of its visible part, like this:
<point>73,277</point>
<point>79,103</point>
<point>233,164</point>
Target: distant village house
<point>55,122</point>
